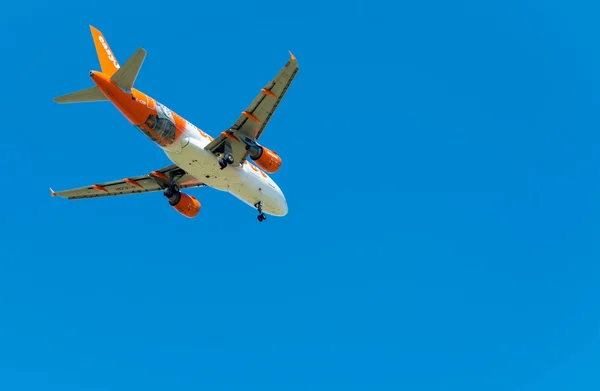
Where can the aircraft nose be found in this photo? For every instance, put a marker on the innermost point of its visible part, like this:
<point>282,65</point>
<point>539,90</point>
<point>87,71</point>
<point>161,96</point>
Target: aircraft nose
<point>283,206</point>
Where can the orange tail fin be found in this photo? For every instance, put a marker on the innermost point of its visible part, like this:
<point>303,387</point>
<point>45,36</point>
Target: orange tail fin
<point>108,60</point>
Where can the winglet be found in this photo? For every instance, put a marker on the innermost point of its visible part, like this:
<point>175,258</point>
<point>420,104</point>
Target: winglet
<point>292,56</point>
<point>52,191</point>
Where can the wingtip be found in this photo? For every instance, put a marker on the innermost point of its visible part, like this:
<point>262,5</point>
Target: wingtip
<point>292,55</point>
<point>52,192</point>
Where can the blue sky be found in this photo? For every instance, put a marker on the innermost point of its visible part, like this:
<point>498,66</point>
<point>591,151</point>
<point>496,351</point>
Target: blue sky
<point>440,165</point>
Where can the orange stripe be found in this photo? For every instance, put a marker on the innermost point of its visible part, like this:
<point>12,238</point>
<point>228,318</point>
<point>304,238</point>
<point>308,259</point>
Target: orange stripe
<point>100,188</point>
<point>268,93</point>
<point>231,136</point>
<point>250,116</point>
<point>151,104</point>
<point>159,175</point>
<point>133,183</point>
<point>179,124</point>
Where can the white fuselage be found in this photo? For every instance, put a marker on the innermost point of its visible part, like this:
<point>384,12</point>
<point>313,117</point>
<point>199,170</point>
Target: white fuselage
<point>247,182</point>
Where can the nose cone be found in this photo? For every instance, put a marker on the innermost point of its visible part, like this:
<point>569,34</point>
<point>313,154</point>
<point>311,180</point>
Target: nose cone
<point>283,206</point>
<point>281,203</point>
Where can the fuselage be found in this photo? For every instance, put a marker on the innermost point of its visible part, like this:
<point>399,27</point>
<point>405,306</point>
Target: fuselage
<point>184,144</point>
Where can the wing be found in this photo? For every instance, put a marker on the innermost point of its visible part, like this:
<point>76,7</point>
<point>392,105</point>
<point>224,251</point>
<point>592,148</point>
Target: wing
<point>155,181</point>
<point>255,118</point>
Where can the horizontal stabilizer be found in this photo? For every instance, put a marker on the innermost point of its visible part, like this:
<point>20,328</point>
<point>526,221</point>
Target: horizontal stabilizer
<point>92,94</point>
<point>126,75</point>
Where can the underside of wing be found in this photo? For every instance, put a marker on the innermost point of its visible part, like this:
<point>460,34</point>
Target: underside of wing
<point>154,181</point>
<point>255,118</point>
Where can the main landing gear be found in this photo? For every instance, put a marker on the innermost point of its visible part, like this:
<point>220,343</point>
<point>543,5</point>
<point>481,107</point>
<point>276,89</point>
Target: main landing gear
<point>261,216</point>
<point>225,160</point>
<point>227,157</point>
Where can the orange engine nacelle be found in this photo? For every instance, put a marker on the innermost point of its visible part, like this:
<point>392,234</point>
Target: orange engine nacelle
<point>187,205</point>
<point>267,160</point>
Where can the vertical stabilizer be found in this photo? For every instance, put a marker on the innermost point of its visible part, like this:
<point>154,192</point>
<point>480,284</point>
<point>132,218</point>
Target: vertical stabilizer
<point>108,60</point>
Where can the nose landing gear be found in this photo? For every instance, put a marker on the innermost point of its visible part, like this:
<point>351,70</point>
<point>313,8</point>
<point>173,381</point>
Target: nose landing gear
<point>261,216</point>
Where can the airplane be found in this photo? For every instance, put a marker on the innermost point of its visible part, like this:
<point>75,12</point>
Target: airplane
<point>199,159</point>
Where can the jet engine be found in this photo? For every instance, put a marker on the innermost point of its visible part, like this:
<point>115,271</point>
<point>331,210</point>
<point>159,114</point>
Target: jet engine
<point>183,203</point>
<point>265,158</point>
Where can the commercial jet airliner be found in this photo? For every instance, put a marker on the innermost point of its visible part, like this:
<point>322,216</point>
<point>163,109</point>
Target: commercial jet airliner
<point>199,160</point>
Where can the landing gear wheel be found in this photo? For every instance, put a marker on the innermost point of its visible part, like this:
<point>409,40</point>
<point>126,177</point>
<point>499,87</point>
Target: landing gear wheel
<point>225,160</point>
<point>261,215</point>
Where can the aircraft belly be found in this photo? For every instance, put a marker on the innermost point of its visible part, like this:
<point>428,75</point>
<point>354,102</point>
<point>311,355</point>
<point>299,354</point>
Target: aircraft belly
<point>203,165</point>
<point>241,182</point>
